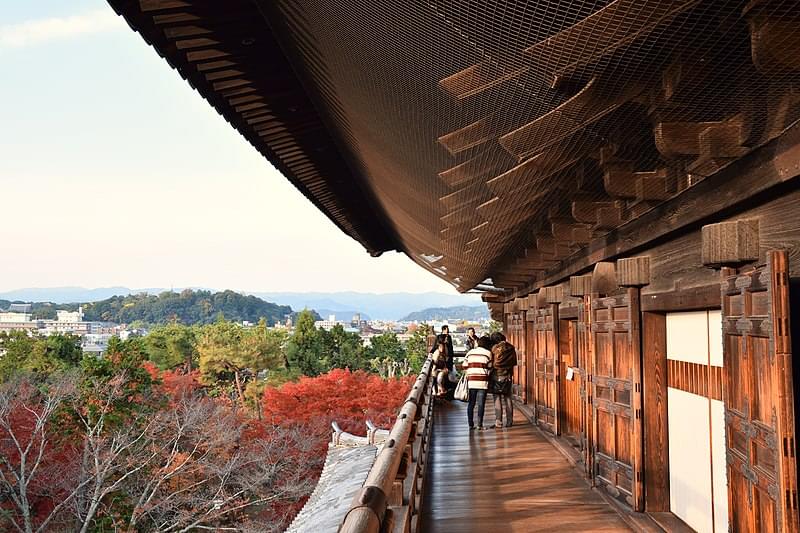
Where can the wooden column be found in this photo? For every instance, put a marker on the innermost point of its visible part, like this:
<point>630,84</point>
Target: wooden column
<point>633,273</point>
<point>581,286</point>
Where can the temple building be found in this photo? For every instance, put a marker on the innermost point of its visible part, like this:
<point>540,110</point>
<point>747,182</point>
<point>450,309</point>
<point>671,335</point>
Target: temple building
<point>618,178</point>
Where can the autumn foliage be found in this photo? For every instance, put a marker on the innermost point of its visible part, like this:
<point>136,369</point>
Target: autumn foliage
<point>157,450</point>
<point>349,398</point>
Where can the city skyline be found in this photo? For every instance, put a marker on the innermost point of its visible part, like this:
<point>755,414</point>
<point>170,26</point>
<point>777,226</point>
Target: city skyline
<point>116,173</point>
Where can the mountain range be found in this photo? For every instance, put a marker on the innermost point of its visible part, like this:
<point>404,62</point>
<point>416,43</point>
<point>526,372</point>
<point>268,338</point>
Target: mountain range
<point>476,313</point>
<point>389,306</point>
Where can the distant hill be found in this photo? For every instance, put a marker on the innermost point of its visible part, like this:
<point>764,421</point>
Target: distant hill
<point>476,313</point>
<point>390,306</point>
<point>66,295</point>
<point>187,307</point>
<point>343,315</point>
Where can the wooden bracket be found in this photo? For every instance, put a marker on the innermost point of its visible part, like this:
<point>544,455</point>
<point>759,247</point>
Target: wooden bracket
<point>580,285</point>
<point>730,243</point>
<point>552,295</point>
<point>604,278</point>
<point>633,271</point>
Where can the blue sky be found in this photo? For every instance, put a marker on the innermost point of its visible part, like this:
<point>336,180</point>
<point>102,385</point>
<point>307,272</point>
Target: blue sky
<point>113,171</point>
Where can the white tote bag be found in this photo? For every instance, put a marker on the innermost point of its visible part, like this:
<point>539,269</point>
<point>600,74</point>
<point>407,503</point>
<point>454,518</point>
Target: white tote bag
<point>462,392</point>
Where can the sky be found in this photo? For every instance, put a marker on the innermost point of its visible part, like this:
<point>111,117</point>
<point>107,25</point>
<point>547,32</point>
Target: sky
<point>114,172</point>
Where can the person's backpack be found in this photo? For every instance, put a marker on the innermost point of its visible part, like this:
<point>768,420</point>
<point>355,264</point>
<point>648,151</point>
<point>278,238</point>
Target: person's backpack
<point>505,356</point>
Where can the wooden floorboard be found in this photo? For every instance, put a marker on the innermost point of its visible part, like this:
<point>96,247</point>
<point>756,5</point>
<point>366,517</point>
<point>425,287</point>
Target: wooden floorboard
<point>505,480</point>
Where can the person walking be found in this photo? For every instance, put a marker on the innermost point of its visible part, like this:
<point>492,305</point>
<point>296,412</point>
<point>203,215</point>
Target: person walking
<point>472,339</point>
<point>476,365</point>
<point>504,359</point>
<point>444,337</point>
<point>440,369</point>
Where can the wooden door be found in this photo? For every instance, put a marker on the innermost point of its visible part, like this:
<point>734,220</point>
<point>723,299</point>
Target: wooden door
<point>547,366</point>
<point>530,355</point>
<point>759,411</point>
<point>584,332</point>
<point>520,383</point>
<point>616,399</point>
<point>570,380</point>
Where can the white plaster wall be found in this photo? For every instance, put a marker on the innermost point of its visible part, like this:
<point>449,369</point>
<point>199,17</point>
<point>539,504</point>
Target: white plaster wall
<point>687,337</point>
<point>715,337</point>
<point>690,459</point>
<point>718,468</point>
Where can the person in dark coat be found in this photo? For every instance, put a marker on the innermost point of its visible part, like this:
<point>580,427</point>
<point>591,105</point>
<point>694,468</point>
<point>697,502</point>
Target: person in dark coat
<point>504,359</point>
<point>472,339</point>
<point>444,337</point>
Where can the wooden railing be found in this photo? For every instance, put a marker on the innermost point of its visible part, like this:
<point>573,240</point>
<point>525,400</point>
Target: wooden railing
<point>391,496</point>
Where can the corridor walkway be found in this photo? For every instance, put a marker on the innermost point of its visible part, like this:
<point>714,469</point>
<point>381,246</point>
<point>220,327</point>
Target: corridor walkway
<point>505,480</point>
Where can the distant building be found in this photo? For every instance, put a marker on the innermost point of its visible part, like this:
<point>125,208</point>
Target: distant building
<point>327,324</point>
<point>13,316</point>
<point>70,316</point>
<point>20,308</point>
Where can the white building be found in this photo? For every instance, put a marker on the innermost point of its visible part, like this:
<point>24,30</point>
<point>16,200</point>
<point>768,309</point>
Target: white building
<point>70,316</point>
<point>327,325</point>
<point>13,316</point>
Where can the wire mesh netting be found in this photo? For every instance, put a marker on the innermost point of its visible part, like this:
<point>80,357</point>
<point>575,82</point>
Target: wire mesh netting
<point>500,137</point>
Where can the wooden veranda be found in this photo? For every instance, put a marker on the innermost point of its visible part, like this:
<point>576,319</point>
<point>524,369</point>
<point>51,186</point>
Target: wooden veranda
<point>510,479</point>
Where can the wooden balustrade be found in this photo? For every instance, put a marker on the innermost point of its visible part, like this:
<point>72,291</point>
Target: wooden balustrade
<point>392,493</point>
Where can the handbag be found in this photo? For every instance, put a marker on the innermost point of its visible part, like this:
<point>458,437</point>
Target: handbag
<point>462,391</point>
<point>501,387</point>
<point>453,376</point>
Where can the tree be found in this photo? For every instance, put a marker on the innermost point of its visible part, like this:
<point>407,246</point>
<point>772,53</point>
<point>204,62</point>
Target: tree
<point>38,354</point>
<point>304,349</point>
<point>232,354</point>
<point>495,326</point>
<point>387,345</point>
<point>192,464</point>
<point>171,346</point>
<point>342,349</point>
<point>417,347</point>
<point>29,473</point>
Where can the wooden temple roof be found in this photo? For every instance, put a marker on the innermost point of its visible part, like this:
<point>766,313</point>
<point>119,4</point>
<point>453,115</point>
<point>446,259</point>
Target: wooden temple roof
<point>490,140</point>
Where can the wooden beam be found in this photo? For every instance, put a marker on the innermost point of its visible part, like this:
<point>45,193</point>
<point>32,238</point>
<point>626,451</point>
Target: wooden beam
<point>601,34</point>
<point>593,102</point>
<point>469,136</point>
<point>729,190</point>
<point>773,36</point>
<point>688,299</point>
<point>478,78</point>
<point>480,167</point>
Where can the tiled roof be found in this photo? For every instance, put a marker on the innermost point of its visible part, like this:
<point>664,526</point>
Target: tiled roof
<point>343,475</point>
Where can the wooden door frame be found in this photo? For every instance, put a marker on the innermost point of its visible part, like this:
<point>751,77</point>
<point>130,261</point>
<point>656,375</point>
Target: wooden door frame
<point>654,414</point>
<point>562,391</point>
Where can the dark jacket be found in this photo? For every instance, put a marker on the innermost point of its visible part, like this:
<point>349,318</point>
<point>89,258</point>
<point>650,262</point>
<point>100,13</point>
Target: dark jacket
<point>504,355</point>
<point>448,340</point>
<point>472,343</point>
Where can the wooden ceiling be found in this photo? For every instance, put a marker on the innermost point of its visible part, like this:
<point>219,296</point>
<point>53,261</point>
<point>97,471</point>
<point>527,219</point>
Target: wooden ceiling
<point>488,148</point>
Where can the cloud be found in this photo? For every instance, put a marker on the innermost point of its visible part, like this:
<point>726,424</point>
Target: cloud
<point>34,32</point>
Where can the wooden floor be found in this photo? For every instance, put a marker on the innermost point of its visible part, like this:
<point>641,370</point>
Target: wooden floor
<point>505,480</point>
